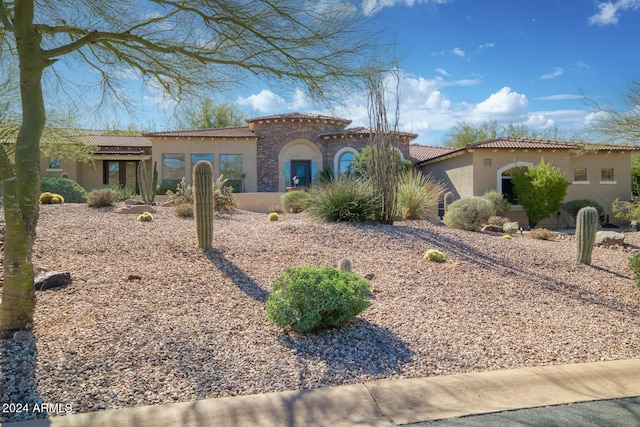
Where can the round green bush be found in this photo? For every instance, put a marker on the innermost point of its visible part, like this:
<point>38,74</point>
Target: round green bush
<point>500,204</point>
<point>468,213</point>
<point>308,298</point>
<point>574,206</point>
<point>70,190</point>
<point>295,201</point>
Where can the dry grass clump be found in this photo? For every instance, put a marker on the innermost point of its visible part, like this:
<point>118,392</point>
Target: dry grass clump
<point>542,234</point>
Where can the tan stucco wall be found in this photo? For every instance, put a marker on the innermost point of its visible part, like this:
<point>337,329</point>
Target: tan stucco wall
<point>208,146</point>
<point>469,175</point>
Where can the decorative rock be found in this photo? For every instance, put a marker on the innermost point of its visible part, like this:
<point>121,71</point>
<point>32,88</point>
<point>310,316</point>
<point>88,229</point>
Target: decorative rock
<point>52,280</point>
<point>23,335</point>
<point>133,202</point>
<point>134,277</point>
<point>609,238</point>
<point>492,228</point>
<point>510,227</point>
<point>135,209</point>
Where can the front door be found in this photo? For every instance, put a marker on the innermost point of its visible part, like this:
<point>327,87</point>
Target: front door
<point>300,173</point>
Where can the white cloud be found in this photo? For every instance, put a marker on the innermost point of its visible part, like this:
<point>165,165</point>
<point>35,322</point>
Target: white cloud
<point>557,72</point>
<point>442,72</point>
<point>486,46</point>
<point>539,121</point>
<point>158,94</point>
<point>370,7</point>
<point>458,51</point>
<point>558,97</point>
<point>264,101</point>
<point>608,13</point>
<point>300,100</point>
<point>594,117</point>
<point>502,104</point>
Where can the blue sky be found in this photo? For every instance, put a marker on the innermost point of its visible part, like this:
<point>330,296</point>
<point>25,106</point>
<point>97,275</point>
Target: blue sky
<point>525,62</point>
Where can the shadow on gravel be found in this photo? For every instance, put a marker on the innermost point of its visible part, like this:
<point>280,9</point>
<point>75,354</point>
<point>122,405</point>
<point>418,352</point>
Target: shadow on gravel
<point>241,279</point>
<point>357,348</point>
<point>19,395</point>
<point>485,260</point>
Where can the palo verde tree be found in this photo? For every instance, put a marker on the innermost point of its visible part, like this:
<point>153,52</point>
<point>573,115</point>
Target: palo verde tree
<point>182,47</point>
<point>206,114</point>
<point>464,133</point>
<point>617,126</point>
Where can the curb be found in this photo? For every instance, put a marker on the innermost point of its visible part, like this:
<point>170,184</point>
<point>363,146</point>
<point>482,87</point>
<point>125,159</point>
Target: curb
<point>382,403</point>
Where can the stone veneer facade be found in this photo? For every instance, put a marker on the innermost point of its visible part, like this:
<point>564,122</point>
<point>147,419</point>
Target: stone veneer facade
<point>328,134</point>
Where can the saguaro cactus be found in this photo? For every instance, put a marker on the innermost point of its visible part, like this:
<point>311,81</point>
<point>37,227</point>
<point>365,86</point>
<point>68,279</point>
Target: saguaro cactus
<point>203,203</point>
<point>147,191</point>
<point>586,222</point>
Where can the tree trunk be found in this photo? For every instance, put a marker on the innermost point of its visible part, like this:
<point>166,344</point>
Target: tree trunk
<point>22,183</point>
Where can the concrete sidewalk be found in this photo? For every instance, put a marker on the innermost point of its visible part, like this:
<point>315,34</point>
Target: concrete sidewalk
<point>383,403</point>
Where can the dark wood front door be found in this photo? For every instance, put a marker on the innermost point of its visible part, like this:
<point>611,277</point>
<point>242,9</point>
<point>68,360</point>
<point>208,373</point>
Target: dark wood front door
<point>300,173</point>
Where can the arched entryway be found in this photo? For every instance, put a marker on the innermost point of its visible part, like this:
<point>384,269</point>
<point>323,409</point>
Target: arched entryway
<point>299,162</point>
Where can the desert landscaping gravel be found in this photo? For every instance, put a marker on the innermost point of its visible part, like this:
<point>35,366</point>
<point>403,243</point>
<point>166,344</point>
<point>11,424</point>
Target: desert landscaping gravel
<point>150,319</point>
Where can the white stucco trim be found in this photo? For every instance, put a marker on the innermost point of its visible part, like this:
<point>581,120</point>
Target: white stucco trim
<point>336,159</point>
<point>581,182</point>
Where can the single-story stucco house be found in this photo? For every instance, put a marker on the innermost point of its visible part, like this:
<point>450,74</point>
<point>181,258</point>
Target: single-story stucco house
<point>599,172</point>
<point>274,153</point>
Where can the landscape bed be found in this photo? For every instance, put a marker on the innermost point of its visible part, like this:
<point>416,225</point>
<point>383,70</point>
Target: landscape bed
<point>150,319</point>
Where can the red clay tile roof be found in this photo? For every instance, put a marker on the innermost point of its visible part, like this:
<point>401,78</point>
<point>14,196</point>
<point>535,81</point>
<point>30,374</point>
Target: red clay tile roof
<point>545,144</point>
<point>420,153</point>
<point>299,116</point>
<point>509,143</point>
<point>229,132</point>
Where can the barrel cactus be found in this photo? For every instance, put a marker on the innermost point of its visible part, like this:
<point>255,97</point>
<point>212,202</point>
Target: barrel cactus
<point>203,203</point>
<point>586,222</point>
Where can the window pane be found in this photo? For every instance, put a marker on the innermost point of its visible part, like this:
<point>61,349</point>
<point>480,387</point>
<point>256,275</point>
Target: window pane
<point>54,163</point>
<point>231,166</point>
<point>580,174</point>
<point>114,174</point>
<point>345,161</point>
<point>195,158</point>
<point>607,174</point>
<point>172,168</point>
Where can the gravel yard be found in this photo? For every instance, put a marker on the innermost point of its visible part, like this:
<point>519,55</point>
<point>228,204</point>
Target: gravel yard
<point>150,319</point>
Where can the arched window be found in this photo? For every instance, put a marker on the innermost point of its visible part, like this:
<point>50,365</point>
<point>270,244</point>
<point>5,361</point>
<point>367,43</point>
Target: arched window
<point>343,159</point>
<point>505,177</point>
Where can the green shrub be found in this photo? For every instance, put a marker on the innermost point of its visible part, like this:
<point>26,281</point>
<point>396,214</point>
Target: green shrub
<point>574,206</point>
<point>101,198</point>
<point>468,213</point>
<point>70,190</point>
<point>540,190</point>
<point>183,194</point>
<point>295,201</point>
<point>627,210</point>
<point>345,200</point>
<point>273,216</point>
<point>307,298</point>
<point>500,204</point>
<point>634,266</point>
<point>417,194</point>
<point>433,255</point>
<point>121,193</point>
<point>541,234</point>
<point>498,220</point>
